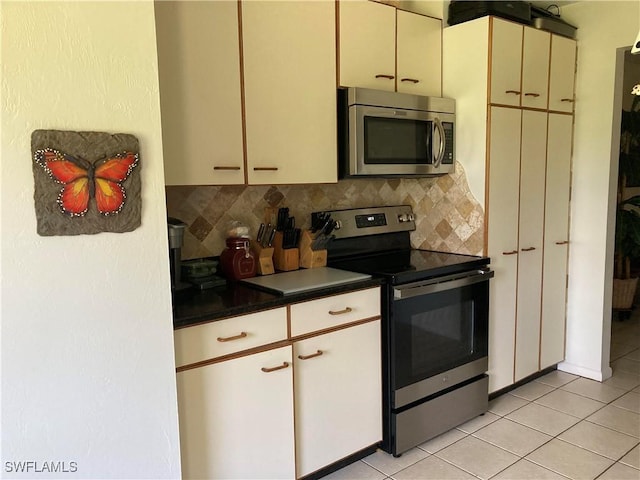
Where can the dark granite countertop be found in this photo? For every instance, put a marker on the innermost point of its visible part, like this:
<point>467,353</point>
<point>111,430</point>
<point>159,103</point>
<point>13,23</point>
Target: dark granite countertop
<point>191,307</point>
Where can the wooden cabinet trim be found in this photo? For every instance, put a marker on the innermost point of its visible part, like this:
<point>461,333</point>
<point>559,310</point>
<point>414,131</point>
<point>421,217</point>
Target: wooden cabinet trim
<point>243,104</point>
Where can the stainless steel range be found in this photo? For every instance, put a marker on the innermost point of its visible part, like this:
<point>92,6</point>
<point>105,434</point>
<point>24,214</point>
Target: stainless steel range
<point>435,309</point>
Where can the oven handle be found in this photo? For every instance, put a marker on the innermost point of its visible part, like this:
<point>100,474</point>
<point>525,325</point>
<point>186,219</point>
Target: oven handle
<point>441,284</point>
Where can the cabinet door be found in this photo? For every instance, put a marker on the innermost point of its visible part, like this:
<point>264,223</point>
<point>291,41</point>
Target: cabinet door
<point>530,236</point>
<point>506,62</point>
<point>502,231</point>
<point>199,73</point>
<point>535,68</point>
<point>556,239</point>
<point>367,45</point>
<point>419,54</point>
<point>562,74</point>
<point>236,420</point>
<point>290,97</point>
<point>338,395</point>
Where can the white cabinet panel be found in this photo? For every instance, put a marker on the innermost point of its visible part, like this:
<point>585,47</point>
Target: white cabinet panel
<point>506,62</point>
<point>502,219</point>
<point>419,57</point>
<point>530,242</point>
<point>290,99</point>
<point>388,49</point>
<point>556,239</point>
<point>535,68</point>
<point>329,312</point>
<point>367,45</point>
<point>224,337</point>
<point>199,73</point>
<point>338,395</point>
<point>236,420</point>
<point>562,74</point>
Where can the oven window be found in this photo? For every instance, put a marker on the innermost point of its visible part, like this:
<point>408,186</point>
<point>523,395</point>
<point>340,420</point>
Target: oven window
<point>437,332</point>
<point>394,141</point>
<point>446,331</point>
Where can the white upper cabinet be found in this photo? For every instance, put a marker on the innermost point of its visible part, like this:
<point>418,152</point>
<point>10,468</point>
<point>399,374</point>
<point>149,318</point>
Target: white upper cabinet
<point>290,97</point>
<point>388,49</point>
<point>419,54</point>
<point>535,68</point>
<point>519,65</point>
<point>562,74</point>
<point>287,69</point>
<point>199,72</point>
<point>506,62</point>
<point>367,45</point>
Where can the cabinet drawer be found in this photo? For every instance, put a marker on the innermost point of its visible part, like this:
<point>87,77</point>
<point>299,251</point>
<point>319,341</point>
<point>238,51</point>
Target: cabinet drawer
<point>215,339</point>
<point>333,311</point>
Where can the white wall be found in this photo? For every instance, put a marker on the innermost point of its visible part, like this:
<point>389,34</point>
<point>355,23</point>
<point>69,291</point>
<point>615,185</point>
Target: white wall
<point>603,27</point>
<point>87,347</point>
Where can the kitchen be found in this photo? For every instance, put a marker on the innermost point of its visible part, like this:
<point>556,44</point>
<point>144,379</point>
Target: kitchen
<point>54,345</point>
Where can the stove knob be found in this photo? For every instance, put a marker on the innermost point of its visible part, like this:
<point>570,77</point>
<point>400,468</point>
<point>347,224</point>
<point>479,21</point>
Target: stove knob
<point>402,217</point>
<point>338,225</point>
<point>411,217</point>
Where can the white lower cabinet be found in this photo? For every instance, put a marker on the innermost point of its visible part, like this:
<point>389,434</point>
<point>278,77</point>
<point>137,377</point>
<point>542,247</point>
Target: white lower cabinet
<point>236,418</point>
<point>338,395</point>
<point>237,405</point>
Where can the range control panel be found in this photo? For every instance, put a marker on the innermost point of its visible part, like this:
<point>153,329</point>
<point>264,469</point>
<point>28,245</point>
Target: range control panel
<point>372,220</point>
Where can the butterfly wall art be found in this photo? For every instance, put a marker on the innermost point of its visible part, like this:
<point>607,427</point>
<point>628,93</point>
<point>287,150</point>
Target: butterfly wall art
<point>85,182</point>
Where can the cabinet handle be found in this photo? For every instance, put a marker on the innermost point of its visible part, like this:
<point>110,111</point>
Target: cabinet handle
<point>570,100</point>
<point>235,337</point>
<point>528,249</point>
<point>515,92</point>
<point>225,168</point>
<point>512,252</point>
<point>411,80</point>
<point>273,369</point>
<point>388,77</point>
<point>563,242</point>
<point>312,355</point>
<point>262,169</point>
<point>535,95</point>
<point>340,312</point>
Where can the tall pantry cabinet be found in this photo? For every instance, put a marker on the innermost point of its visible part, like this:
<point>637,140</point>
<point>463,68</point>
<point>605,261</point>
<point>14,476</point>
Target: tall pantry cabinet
<point>513,86</point>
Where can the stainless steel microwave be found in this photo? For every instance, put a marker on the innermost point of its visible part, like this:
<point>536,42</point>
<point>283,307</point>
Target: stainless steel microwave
<point>390,134</point>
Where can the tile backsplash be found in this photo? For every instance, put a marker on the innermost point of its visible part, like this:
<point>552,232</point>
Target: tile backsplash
<point>448,217</point>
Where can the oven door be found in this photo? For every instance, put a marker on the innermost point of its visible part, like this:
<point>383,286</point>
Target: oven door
<point>439,334</point>
<point>393,141</point>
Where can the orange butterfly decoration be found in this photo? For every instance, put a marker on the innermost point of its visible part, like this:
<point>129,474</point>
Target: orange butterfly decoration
<point>84,180</point>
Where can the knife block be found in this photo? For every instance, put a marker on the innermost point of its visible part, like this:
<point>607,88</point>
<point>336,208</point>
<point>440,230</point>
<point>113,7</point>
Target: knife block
<point>285,259</point>
<point>310,258</point>
<point>264,255</point>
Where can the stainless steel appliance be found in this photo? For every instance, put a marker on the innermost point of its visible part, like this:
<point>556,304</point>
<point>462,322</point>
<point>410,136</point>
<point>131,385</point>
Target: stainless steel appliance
<point>175,230</point>
<point>389,134</point>
<point>435,309</point>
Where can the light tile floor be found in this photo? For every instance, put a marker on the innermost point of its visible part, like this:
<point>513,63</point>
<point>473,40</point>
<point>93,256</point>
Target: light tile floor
<point>558,426</point>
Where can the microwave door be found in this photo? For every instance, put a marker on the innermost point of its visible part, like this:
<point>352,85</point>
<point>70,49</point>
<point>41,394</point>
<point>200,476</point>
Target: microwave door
<point>387,141</point>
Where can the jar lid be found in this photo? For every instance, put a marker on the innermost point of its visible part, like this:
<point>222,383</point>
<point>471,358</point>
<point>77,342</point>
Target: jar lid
<point>237,242</point>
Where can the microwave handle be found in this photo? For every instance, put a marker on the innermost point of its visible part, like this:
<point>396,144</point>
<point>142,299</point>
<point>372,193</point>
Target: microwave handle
<point>440,156</point>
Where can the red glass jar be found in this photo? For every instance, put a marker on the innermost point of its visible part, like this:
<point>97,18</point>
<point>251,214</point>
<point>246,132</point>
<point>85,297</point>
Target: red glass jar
<point>237,259</point>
